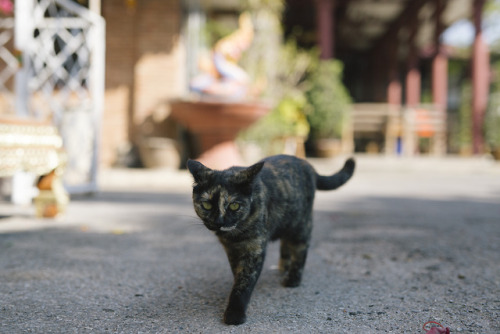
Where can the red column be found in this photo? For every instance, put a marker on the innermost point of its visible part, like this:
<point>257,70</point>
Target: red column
<point>413,80</point>
<point>480,80</point>
<point>439,63</point>
<point>394,88</point>
<point>440,80</point>
<point>325,19</point>
<point>413,77</point>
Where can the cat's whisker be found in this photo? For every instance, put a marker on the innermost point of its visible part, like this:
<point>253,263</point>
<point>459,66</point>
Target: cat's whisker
<point>196,226</point>
<point>187,216</point>
<point>190,220</point>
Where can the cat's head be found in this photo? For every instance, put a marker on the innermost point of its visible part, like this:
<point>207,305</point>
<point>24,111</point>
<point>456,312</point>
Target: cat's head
<point>223,199</point>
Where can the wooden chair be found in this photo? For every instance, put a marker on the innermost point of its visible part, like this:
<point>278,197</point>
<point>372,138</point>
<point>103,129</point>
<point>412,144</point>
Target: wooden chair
<point>424,121</point>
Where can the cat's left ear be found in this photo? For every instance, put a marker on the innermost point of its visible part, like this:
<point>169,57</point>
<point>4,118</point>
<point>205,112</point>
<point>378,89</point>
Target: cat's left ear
<point>199,171</point>
<point>248,174</point>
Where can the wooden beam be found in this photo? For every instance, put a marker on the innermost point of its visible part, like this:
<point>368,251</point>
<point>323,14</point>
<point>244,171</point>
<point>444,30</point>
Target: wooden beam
<point>438,21</point>
<point>439,61</point>
<point>391,38</point>
<point>413,76</point>
<point>411,11</point>
<point>325,28</point>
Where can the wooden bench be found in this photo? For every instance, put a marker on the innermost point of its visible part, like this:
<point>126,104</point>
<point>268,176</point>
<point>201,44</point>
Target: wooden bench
<point>34,147</point>
<point>402,130</point>
<point>372,121</point>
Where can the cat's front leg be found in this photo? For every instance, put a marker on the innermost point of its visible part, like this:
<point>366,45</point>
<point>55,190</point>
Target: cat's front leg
<point>246,265</point>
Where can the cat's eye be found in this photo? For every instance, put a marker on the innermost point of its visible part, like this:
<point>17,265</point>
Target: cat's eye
<point>206,205</point>
<point>234,206</point>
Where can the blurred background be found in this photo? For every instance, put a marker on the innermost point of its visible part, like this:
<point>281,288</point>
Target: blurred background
<point>110,97</point>
<point>320,78</point>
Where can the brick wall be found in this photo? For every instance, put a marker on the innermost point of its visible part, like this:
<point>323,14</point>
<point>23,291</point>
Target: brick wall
<point>144,68</point>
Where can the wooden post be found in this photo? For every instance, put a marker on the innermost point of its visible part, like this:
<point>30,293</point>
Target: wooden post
<point>440,80</point>
<point>394,88</point>
<point>480,80</point>
<point>439,63</point>
<point>413,77</point>
<point>325,19</point>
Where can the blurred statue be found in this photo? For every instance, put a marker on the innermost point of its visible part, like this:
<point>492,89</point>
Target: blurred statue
<point>6,7</point>
<point>220,74</point>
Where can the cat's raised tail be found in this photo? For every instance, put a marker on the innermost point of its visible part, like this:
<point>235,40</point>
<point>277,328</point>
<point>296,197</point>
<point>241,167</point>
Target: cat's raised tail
<point>338,179</point>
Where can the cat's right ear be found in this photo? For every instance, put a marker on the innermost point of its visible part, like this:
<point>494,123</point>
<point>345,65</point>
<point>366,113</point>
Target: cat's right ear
<point>247,175</point>
<point>199,171</point>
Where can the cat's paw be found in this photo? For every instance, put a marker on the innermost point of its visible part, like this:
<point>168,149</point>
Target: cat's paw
<point>284,266</point>
<point>232,317</point>
<point>291,281</point>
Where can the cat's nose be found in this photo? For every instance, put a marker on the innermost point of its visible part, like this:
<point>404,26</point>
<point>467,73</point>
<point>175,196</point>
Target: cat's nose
<point>220,221</point>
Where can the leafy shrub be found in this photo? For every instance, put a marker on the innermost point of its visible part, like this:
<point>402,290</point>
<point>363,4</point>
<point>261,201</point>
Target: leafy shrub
<point>329,100</point>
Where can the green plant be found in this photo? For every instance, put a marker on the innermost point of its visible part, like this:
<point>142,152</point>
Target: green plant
<point>492,119</point>
<point>292,71</point>
<point>261,59</point>
<point>330,102</point>
<point>465,117</point>
<point>286,91</point>
<point>287,119</point>
<point>279,69</point>
<point>214,30</point>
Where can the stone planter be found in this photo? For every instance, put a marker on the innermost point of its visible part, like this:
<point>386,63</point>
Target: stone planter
<point>215,125</point>
<point>328,148</point>
<point>495,152</point>
<point>465,150</point>
<point>291,145</point>
<point>159,152</point>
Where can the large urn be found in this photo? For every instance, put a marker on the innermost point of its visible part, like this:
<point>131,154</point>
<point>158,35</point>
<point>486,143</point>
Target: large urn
<point>215,125</point>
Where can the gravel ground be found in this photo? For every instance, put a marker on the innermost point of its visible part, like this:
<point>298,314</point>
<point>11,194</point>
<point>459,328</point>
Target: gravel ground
<point>403,243</point>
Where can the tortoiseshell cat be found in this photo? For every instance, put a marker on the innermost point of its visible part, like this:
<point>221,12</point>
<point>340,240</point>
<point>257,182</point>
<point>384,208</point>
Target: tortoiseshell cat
<point>248,206</point>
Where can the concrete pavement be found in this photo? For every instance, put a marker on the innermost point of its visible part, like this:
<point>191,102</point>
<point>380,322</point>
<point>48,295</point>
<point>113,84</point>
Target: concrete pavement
<point>404,242</point>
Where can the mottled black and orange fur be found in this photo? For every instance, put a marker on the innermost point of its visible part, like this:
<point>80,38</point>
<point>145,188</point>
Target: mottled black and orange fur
<point>248,206</point>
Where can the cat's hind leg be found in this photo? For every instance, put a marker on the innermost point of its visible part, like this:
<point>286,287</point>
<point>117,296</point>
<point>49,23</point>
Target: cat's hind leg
<point>294,249</point>
<point>285,257</point>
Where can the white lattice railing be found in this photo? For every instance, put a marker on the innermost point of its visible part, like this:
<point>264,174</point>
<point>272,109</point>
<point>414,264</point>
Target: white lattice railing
<point>62,78</point>
<point>9,65</point>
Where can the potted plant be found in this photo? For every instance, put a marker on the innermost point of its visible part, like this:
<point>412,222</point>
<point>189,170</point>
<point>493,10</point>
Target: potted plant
<point>492,125</point>
<point>492,119</point>
<point>464,122</point>
<point>286,127</point>
<point>330,107</point>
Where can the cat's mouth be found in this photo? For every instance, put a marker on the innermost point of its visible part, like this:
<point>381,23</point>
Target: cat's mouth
<point>227,228</point>
<point>218,228</point>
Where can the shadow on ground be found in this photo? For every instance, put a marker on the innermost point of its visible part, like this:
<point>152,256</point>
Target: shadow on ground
<point>141,262</point>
